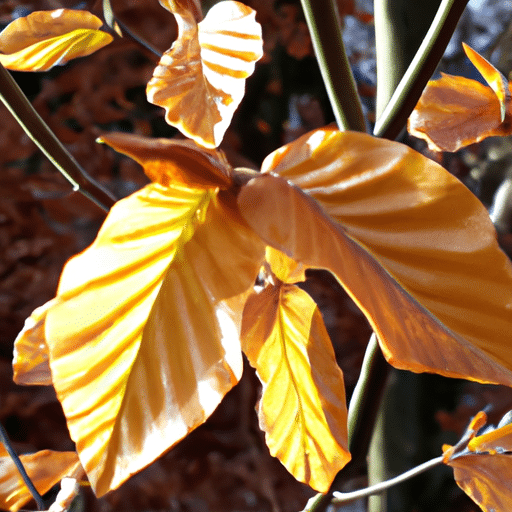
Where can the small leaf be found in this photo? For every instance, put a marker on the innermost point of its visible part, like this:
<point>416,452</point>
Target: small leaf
<point>31,358</point>
<point>411,245</point>
<point>167,161</point>
<point>45,468</point>
<point>285,269</point>
<point>497,82</point>
<point>302,409</point>
<point>455,111</point>
<point>483,469</point>
<point>44,39</point>
<point>200,81</point>
<point>143,336</point>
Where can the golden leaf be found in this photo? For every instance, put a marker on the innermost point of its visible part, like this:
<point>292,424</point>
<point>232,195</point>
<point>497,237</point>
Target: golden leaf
<point>283,267</point>
<point>44,39</point>
<point>143,335</point>
<point>482,467</point>
<point>497,82</point>
<point>455,111</point>
<point>45,468</point>
<point>302,410</point>
<point>31,363</point>
<point>200,81</point>
<point>412,246</point>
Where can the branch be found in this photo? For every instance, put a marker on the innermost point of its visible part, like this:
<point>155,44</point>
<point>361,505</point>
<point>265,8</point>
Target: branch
<point>394,118</point>
<point>19,106</point>
<point>324,26</point>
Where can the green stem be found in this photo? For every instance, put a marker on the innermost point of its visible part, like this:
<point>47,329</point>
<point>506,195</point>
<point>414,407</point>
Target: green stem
<point>400,27</point>
<point>19,106</point>
<point>4,439</point>
<point>345,497</point>
<point>394,118</point>
<point>324,26</point>
<point>362,414</point>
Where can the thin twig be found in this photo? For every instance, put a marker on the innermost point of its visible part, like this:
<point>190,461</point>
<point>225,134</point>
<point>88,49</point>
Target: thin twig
<point>4,438</point>
<point>19,106</point>
<point>324,26</point>
<point>345,497</point>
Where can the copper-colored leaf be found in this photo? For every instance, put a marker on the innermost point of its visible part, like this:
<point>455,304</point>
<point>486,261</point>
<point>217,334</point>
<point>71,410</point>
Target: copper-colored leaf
<point>167,161</point>
<point>454,111</point>
<point>483,468</point>
<point>45,468</point>
<point>143,336</point>
<point>497,82</point>
<point>413,247</point>
<point>302,409</point>
<point>44,39</point>
<point>191,6</point>
<point>200,81</point>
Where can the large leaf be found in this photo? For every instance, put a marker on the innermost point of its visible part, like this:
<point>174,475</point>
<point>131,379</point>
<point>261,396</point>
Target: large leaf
<point>45,468</point>
<point>44,39</point>
<point>455,111</point>
<point>483,469</point>
<point>200,81</point>
<point>143,335</point>
<point>412,246</point>
<point>302,410</point>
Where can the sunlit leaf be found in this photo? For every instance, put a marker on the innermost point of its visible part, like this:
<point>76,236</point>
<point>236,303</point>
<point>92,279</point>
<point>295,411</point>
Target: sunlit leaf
<point>286,269</point>
<point>44,39</point>
<point>167,161</point>
<point>69,489</point>
<point>302,409</point>
<point>455,111</point>
<point>483,468</point>
<point>412,246</point>
<point>181,6</point>
<point>31,357</point>
<point>143,335</point>
<point>497,82</point>
<point>45,468</point>
<point>200,81</point>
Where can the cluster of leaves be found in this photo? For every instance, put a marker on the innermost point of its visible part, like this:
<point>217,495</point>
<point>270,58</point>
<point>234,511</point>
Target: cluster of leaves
<point>145,335</point>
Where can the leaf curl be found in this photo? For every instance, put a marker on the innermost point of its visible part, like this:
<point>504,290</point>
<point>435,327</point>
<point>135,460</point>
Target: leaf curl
<point>200,81</point>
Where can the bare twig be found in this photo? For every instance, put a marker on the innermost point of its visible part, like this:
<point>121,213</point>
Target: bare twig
<point>19,106</point>
<point>345,497</point>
